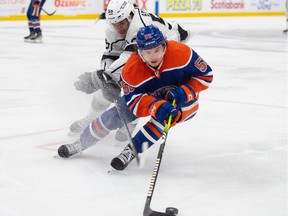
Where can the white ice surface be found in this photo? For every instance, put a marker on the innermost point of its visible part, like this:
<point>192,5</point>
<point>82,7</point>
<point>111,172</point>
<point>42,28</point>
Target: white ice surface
<point>230,160</point>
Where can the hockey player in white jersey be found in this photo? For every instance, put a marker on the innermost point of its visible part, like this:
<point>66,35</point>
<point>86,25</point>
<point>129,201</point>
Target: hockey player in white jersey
<point>124,21</point>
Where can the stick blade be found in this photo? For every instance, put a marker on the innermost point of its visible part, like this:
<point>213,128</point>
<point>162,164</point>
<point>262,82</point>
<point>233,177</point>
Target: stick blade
<point>156,213</point>
<point>170,211</point>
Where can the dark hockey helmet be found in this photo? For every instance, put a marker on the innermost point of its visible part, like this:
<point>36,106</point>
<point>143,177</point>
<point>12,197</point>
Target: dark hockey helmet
<point>149,37</point>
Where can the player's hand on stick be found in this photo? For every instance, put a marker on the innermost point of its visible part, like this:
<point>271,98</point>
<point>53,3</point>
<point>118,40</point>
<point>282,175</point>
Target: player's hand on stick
<point>161,109</point>
<point>111,90</point>
<point>182,94</point>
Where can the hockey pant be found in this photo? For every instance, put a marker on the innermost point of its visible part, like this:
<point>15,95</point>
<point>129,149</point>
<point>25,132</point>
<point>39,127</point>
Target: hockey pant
<point>108,121</point>
<point>33,15</point>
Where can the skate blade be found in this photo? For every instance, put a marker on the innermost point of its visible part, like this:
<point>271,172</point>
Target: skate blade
<point>34,41</point>
<point>78,155</point>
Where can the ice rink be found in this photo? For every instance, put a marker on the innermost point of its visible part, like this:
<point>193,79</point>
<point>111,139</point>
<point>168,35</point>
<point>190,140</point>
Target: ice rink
<point>229,160</point>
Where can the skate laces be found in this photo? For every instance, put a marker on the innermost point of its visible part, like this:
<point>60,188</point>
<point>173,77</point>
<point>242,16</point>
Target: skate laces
<point>74,147</point>
<point>126,155</point>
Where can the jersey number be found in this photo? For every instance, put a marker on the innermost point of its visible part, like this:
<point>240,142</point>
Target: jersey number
<point>126,88</point>
<point>201,64</point>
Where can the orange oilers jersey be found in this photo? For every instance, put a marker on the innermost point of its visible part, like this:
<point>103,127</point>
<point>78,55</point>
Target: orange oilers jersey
<point>143,84</point>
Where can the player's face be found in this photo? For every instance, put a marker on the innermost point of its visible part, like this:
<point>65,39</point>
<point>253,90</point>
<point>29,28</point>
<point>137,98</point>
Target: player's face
<point>121,27</point>
<point>154,56</point>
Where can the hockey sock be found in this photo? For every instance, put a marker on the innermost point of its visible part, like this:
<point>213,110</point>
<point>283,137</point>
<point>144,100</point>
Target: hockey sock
<point>149,133</point>
<point>93,133</point>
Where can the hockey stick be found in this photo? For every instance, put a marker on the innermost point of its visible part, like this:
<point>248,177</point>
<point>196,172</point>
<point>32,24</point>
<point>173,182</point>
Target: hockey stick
<point>170,211</point>
<point>129,134</point>
<point>101,16</point>
<point>49,14</point>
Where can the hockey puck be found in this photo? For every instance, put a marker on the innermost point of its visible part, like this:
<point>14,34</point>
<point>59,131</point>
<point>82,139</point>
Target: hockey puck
<point>172,210</point>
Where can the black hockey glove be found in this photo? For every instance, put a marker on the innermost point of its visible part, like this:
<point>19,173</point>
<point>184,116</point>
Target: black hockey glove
<point>110,88</point>
<point>88,82</point>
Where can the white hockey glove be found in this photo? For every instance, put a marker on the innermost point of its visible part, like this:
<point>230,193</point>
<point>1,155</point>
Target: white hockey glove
<point>88,82</point>
<point>111,90</point>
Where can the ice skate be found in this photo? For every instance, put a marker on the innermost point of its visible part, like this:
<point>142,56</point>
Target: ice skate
<point>37,38</point>
<point>67,150</point>
<point>27,38</point>
<point>123,159</point>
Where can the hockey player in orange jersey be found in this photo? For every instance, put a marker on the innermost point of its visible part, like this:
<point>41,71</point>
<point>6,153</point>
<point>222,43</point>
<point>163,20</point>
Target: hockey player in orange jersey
<point>158,73</point>
<point>123,21</point>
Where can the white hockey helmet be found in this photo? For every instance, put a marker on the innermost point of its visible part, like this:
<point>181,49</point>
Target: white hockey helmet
<point>118,10</point>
